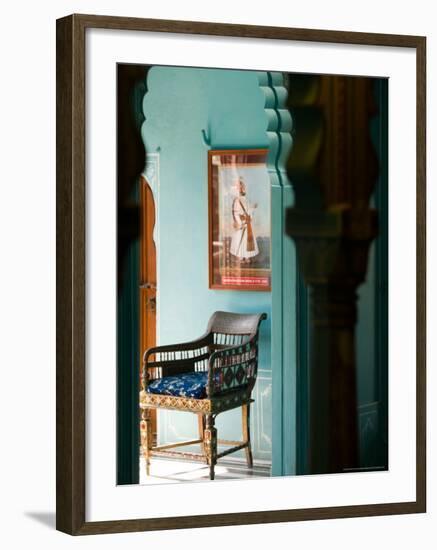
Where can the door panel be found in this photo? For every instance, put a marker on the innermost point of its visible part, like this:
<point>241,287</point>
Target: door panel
<point>148,283</point>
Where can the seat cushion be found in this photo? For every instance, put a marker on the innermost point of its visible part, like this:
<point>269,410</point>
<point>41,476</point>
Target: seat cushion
<point>190,384</point>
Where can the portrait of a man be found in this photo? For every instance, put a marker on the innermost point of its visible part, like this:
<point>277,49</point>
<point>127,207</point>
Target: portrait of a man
<point>240,233</point>
<point>243,244</point>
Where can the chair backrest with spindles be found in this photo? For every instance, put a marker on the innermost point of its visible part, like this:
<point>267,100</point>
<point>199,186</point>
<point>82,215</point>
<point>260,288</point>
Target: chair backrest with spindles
<point>233,329</point>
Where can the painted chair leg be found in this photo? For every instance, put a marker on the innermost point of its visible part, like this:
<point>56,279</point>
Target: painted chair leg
<point>210,442</point>
<point>246,434</point>
<point>146,437</point>
<point>201,428</point>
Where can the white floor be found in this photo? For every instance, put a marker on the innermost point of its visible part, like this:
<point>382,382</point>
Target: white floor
<point>164,470</point>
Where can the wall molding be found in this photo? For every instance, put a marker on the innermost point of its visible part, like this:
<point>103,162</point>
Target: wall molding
<point>283,354</point>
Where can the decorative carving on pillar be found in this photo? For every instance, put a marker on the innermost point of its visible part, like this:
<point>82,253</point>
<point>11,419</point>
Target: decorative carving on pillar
<point>131,88</point>
<point>333,170</point>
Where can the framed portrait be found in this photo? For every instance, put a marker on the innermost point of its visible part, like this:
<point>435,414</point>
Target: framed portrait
<point>239,220</point>
<point>199,158</point>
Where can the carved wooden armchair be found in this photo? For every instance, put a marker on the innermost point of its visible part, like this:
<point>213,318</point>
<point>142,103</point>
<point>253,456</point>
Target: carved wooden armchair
<point>207,376</point>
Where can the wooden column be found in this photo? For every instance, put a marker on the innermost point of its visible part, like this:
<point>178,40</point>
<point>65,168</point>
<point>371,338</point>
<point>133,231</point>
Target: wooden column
<point>130,164</point>
<point>333,170</point>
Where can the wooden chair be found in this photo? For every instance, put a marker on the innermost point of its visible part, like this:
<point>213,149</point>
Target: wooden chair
<point>207,376</point>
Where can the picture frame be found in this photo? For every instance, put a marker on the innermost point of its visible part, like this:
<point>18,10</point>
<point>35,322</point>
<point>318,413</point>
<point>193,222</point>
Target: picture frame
<point>73,289</point>
<point>239,250</point>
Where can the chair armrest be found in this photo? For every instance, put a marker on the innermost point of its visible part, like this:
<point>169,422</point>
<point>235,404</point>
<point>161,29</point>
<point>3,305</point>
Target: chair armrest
<point>198,343</point>
<point>233,367</point>
<point>173,358</point>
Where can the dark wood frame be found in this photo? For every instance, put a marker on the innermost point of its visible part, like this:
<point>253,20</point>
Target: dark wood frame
<point>70,299</point>
<point>212,284</point>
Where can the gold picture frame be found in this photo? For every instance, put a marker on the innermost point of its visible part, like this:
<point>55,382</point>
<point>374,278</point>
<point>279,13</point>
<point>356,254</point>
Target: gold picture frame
<point>239,220</point>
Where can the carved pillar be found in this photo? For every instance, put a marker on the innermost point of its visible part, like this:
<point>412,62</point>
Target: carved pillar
<point>130,164</point>
<point>130,158</point>
<point>333,169</point>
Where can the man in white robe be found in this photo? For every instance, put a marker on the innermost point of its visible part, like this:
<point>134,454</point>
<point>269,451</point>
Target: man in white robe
<point>243,241</point>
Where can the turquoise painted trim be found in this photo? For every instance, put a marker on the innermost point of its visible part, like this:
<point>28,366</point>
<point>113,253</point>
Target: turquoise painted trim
<point>277,337</point>
<point>289,306</point>
<point>289,337</point>
<point>283,283</point>
<point>273,133</point>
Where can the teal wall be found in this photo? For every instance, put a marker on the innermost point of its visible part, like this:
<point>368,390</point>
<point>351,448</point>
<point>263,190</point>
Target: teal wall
<point>284,272</point>
<point>187,112</point>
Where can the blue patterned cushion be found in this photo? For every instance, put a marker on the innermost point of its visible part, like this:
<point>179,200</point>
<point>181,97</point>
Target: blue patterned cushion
<point>191,384</point>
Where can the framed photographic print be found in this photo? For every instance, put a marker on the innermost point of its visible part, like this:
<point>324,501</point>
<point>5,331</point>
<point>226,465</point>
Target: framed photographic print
<point>197,162</point>
<point>239,220</point>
